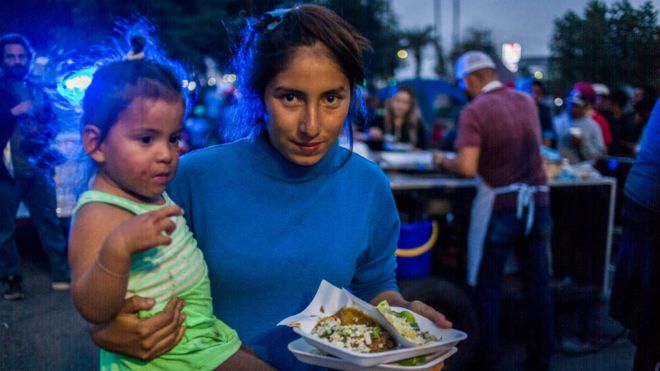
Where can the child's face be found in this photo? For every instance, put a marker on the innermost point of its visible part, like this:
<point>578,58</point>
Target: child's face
<point>307,103</point>
<point>140,154</point>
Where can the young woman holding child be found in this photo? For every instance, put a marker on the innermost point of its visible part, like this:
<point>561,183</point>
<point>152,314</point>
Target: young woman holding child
<point>286,207</point>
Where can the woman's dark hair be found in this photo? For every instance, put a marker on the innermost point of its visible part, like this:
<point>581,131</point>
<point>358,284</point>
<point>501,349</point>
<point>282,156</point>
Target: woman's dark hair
<point>270,42</point>
<point>115,85</point>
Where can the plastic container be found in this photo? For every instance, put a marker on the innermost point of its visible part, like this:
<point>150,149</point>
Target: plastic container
<point>414,249</point>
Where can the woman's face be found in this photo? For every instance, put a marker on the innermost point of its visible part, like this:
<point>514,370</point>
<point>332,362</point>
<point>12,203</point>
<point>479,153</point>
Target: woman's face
<point>401,103</point>
<point>307,103</point>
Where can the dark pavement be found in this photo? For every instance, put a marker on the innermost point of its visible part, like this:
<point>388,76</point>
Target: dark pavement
<point>44,331</point>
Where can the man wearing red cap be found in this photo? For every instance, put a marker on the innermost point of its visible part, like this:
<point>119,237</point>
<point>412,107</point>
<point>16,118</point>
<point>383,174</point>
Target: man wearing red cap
<point>589,94</point>
<point>579,137</point>
<point>498,140</point>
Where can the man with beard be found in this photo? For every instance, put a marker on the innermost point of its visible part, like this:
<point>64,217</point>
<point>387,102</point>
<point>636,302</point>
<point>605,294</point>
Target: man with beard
<point>499,137</point>
<point>27,126</point>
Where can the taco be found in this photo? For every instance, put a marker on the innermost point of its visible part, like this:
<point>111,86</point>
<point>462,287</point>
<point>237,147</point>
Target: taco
<point>353,329</point>
<point>405,324</point>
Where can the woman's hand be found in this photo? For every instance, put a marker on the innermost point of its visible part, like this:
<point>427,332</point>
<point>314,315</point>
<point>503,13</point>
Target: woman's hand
<point>427,311</point>
<point>144,338</point>
<point>375,133</point>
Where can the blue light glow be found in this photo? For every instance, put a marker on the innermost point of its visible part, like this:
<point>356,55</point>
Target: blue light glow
<point>73,86</point>
<point>612,164</point>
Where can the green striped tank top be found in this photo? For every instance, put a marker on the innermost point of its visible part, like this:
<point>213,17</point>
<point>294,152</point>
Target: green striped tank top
<point>164,272</point>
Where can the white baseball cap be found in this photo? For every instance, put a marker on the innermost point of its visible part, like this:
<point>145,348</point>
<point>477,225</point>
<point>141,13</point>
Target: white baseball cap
<point>601,89</point>
<point>471,61</point>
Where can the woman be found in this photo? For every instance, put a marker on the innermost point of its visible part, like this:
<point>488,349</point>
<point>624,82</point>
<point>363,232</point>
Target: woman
<point>279,211</point>
<point>402,120</point>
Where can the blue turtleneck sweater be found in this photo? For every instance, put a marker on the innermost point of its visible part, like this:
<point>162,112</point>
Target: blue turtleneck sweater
<point>271,230</point>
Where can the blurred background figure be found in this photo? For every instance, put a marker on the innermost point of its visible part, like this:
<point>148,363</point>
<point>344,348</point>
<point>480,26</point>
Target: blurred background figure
<point>643,101</point>
<point>602,100</point>
<point>402,121</point>
<point>579,137</point>
<point>589,97</point>
<point>545,114</point>
<point>635,298</point>
<point>499,141</point>
<point>28,125</point>
<point>625,132</point>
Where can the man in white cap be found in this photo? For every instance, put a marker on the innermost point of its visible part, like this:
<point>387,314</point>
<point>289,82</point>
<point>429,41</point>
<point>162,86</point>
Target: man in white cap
<point>499,142</point>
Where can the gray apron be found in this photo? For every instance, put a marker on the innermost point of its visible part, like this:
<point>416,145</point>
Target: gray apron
<point>482,208</point>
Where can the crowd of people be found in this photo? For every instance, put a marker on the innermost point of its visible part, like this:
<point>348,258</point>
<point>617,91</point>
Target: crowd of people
<point>173,289</point>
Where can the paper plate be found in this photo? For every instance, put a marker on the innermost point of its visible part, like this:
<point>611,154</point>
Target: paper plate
<point>306,353</point>
<point>329,299</point>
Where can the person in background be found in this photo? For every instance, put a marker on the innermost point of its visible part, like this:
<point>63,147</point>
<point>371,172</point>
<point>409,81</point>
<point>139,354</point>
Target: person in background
<point>499,137</point>
<point>402,120</point>
<point>545,114</point>
<point>625,133</point>
<point>635,301</point>
<point>579,137</point>
<point>643,102</point>
<point>27,126</point>
<point>644,92</point>
<point>589,97</point>
<point>602,101</point>
<point>286,207</point>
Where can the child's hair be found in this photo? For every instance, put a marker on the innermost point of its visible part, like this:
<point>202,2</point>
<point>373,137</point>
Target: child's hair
<point>268,46</point>
<point>115,85</point>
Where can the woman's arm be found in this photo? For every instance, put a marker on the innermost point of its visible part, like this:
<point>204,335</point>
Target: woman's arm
<point>394,298</point>
<point>100,254</point>
<point>141,338</point>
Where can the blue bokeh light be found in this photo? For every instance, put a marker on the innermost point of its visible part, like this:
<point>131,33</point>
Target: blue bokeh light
<point>73,86</point>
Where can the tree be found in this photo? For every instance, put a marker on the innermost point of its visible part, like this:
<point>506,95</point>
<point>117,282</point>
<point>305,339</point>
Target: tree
<point>615,46</point>
<point>416,40</point>
<point>375,20</point>
<point>189,31</point>
<point>440,60</point>
<point>476,39</point>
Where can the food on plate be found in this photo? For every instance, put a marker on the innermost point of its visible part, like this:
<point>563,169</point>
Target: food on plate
<point>414,361</point>
<point>405,324</point>
<point>353,329</point>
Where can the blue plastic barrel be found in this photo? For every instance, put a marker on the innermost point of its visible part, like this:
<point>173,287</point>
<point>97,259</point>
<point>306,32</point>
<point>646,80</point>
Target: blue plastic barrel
<point>414,249</point>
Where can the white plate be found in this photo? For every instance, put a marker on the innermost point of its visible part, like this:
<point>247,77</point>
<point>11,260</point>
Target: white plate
<point>448,339</point>
<point>416,160</point>
<point>329,299</point>
<point>306,353</point>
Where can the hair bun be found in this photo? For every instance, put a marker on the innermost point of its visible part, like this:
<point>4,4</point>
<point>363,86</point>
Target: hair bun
<point>138,43</point>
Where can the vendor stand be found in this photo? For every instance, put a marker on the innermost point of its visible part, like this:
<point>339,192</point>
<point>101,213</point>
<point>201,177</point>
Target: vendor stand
<point>583,219</point>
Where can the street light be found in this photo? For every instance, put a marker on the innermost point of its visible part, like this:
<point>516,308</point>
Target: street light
<point>511,53</point>
<point>402,54</point>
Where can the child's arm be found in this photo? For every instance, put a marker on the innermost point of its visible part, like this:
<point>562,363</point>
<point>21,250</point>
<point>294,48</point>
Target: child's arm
<point>103,239</point>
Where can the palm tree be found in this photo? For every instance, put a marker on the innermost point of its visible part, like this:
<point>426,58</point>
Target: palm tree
<point>416,40</point>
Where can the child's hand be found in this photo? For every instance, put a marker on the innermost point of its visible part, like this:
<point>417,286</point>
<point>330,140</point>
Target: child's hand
<point>145,231</point>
